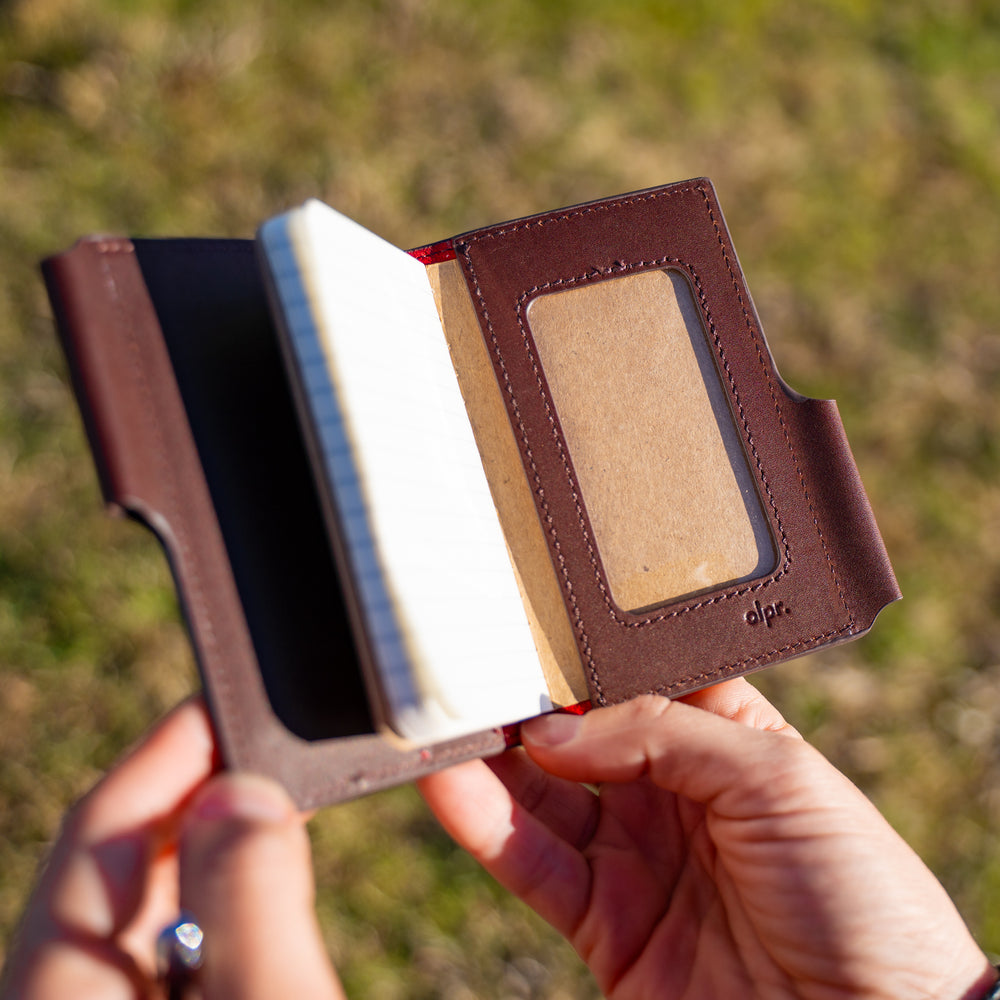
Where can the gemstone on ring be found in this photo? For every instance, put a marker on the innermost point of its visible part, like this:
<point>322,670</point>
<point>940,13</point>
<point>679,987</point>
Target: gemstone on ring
<point>178,948</point>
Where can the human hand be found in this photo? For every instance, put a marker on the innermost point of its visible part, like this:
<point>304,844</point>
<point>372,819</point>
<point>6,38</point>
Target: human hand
<point>159,833</point>
<point>722,856</point>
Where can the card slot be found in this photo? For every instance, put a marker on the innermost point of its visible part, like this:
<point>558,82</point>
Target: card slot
<point>228,367</point>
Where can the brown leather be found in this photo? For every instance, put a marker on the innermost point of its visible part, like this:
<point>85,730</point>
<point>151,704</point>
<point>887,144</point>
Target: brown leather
<point>180,382</point>
<point>178,376</point>
<point>832,576</point>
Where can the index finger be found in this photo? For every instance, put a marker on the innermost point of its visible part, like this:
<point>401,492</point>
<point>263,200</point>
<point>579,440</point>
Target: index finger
<point>95,877</point>
<point>681,747</point>
<point>102,870</point>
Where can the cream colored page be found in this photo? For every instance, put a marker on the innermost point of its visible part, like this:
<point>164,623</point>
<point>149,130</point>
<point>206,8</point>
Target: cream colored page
<point>413,500</point>
<point>550,626</point>
<point>660,465</point>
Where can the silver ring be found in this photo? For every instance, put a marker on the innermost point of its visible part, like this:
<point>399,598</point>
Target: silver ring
<point>179,954</point>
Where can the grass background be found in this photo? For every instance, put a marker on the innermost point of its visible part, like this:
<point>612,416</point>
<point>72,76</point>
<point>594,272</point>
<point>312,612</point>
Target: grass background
<point>855,146</point>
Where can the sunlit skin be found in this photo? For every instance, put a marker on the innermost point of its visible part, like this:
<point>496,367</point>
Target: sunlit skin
<point>722,857</point>
<point>161,832</point>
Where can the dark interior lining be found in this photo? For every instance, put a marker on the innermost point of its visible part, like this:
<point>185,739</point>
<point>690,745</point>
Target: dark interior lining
<point>213,310</point>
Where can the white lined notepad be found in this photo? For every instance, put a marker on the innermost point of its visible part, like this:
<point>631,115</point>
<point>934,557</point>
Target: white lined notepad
<point>439,600</point>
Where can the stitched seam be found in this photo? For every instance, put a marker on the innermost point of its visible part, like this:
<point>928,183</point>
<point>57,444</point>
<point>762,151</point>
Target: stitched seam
<point>618,268</point>
<point>708,676</point>
<point>777,408</point>
<point>621,268</point>
<point>175,514</point>
<point>463,249</point>
<point>538,489</point>
<point>535,223</point>
<point>613,611</point>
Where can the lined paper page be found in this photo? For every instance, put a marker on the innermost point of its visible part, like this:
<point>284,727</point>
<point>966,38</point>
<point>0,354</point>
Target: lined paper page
<point>438,594</point>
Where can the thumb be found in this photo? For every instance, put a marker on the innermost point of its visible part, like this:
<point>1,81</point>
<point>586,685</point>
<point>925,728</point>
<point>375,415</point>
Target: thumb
<point>716,761</point>
<point>246,877</point>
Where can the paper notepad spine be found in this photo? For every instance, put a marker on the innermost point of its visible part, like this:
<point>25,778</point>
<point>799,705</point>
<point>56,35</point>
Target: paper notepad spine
<point>435,602</point>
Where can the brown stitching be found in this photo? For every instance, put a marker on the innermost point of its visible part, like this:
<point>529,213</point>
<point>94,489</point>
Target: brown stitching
<point>539,489</point>
<point>601,206</point>
<point>777,407</point>
<point>463,249</point>
<point>618,269</point>
<point>709,676</point>
<point>176,518</point>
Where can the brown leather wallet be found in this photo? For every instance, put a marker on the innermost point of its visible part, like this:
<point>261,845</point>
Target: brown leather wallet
<point>193,425</point>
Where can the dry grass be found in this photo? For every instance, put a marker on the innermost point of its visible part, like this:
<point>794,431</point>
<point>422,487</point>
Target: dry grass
<point>856,149</point>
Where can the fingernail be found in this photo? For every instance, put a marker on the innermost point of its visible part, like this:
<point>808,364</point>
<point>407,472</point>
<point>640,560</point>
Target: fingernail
<point>243,797</point>
<point>551,730</point>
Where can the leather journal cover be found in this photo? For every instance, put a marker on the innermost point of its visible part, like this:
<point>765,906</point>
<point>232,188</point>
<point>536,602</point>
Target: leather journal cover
<point>675,514</point>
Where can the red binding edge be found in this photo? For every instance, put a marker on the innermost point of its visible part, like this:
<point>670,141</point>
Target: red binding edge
<point>512,733</point>
<point>436,253</point>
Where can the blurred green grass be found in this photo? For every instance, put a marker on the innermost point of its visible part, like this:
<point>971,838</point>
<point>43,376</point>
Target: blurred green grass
<point>856,149</point>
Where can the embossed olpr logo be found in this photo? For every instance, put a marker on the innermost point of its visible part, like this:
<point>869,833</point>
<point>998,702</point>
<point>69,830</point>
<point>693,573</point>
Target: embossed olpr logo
<point>767,613</point>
